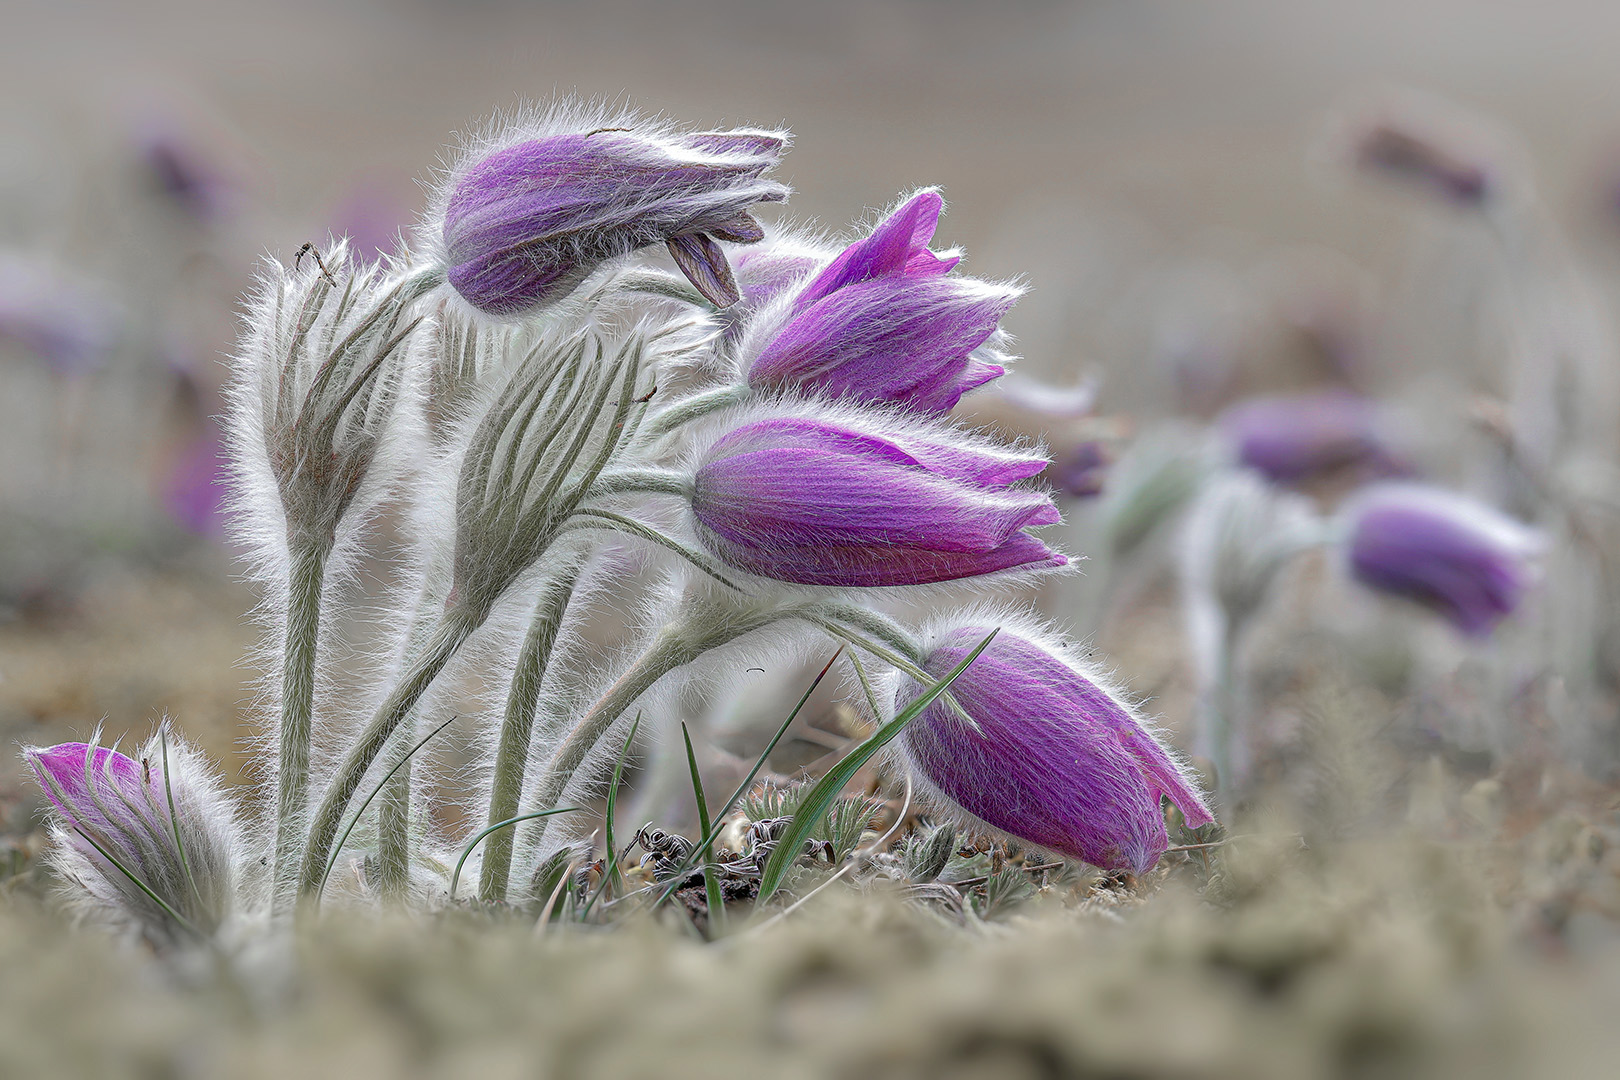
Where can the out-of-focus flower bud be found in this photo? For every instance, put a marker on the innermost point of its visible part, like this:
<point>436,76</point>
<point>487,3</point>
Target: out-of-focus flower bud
<point>1294,437</point>
<point>1450,553</point>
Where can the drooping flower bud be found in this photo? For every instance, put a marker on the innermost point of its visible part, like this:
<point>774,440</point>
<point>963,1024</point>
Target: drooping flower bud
<point>1294,437</point>
<point>528,218</point>
<point>885,321</point>
<point>1459,557</point>
<point>1047,754</point>
<point>813,502</point>
<point>152,838</point>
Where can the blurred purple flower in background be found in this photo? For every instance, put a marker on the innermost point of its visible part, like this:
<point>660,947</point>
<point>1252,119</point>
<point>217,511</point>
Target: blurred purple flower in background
<point>1055,759</point>
<point>884,322</point>
<point>61,321</point>
<point>527,222</point>
<point>1080,471</point>
<point>1294,437</point>
<point>816,503</point>
<point>180,171</point>
<point>194,489</point>
<point>1450,553</point>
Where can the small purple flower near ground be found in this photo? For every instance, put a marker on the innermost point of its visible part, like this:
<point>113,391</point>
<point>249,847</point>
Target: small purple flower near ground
<point>1293,437</point>
<point>1050,757</point>
<point>527,222</point>
<point>147,842</point>
<point>1456,556</point>
<point>884,321</point>
<point>817,503</point>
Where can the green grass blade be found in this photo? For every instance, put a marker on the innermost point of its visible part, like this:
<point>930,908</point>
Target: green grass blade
<point>174,820</point>
<point>398,765</point>
<point>610,872</point>
<point>719,820</point>
<point>814,808</point>
<point>455,877</point>
<point>711,879</point>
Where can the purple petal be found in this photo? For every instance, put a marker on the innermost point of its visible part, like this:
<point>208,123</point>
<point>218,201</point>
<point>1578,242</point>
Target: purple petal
<point>705,266</point>
<point>1055,761</point>
<point>899,244</point>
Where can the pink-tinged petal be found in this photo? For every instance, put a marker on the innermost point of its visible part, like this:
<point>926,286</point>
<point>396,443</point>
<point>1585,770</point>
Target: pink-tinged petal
<point>705,266</point>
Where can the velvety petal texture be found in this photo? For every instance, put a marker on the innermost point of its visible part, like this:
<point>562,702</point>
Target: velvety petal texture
<point>526,223</point>
<point>1461,558</point>
<point>817,503</point>
<point>1054,759</point>
<point>115,824</point>
<point>1290,438</point>
<point>883,321</point>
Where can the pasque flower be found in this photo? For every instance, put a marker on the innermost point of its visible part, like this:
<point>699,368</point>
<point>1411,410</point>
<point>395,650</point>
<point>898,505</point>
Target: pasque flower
<point>885,321</point>
<point>817,502</point>
<point>1459,557</point>
<point>1041,751</point>
<point>150,837</point>
<point>527,221</point>
<point>1292,437</point>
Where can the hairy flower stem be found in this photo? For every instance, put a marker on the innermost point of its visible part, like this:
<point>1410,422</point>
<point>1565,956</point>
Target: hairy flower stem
<point>675,646</point>
<point>453,629</point>
<point>394,803</point>
<point>517,729</point>
<point>1220,716</point>
<point>695,408</point>
<point>297,703</point>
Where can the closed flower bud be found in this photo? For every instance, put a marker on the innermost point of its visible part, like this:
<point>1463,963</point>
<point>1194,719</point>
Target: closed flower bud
<point>1456,556</point>
<point>1295,437</point>
<point>151,838</point>
<point>885,321</point>
<point>814,502</point>
<point>1041,751</point>
<point>528,218</point>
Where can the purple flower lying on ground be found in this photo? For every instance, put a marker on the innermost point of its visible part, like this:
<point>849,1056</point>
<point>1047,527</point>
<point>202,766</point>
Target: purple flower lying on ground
<point>1054,758</point>
<point>527,222</point>
<point>818,503</point>
<point>884,321</point>
<point>148,842</point>
<point>1290,438</point>
<point>1459,557</point>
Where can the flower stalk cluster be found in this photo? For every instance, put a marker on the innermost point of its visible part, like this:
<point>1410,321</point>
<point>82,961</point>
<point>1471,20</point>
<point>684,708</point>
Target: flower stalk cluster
<point>772,441</point>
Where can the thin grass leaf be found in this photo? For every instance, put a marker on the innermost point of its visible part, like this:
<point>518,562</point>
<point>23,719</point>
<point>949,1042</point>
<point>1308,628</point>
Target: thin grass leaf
<point>813,810</point>
<point>398,765</point>
<point>711,880</point>
<point>610,873</point>
<point>455,877</point>
<point>174,819</point>
<point>748,782</point>
<point>141,885</point>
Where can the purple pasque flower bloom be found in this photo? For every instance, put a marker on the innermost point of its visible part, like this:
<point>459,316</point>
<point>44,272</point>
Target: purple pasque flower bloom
<point>1042,751</point>
<point>822,502</point>
<point>62,320</point>
<point>528,220</point>
<point>1450,553</point>
<point>115,824</point>
<point>884,321</point>
<point>1293,437</point>
<point>1081,470</point>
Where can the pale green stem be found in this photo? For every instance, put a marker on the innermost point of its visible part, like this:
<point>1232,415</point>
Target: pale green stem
<point>517,729</point>
<point>674,647</point>
<point>394,802</point>
<point>297,704</point>
<point>452,630</point>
